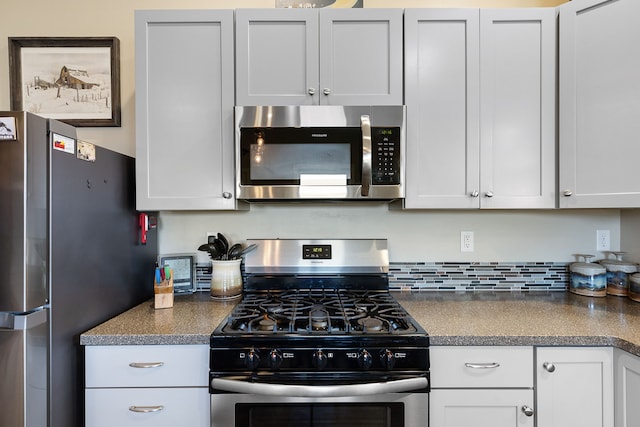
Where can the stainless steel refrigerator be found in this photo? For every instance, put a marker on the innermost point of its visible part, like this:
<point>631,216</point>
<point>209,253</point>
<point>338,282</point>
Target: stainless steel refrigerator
<point>70,258</point>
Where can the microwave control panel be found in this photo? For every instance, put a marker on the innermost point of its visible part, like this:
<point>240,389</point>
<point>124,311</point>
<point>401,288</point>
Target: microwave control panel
<point>385,155</point>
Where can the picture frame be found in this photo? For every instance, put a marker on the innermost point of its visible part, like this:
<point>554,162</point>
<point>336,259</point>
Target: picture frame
<point>72,79</point>
<point>183,266</point>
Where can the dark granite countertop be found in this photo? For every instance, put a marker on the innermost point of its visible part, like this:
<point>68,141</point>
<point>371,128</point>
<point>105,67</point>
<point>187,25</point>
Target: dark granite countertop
<point>450,318</point>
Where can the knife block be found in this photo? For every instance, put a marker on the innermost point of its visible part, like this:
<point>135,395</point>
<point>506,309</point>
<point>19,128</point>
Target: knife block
<point>163,293</point>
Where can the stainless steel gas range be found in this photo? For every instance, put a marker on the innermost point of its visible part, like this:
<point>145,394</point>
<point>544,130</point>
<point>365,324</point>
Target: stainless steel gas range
<point>318,340</point>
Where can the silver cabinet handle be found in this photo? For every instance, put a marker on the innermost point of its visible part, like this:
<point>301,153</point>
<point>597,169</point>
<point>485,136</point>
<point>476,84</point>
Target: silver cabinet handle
<point>226,195</point>
<point>568,193</point>
<point>474,193</point>
<point>365,124</point>
<point>348,390</point>
<point>326,91</point>
<point>489,194</point>
<point>527,410</point>
<point>145,365</point>
<point>491,365</point>
<point>549,367</point>
<point>311,91</point>
<point>146,409</point>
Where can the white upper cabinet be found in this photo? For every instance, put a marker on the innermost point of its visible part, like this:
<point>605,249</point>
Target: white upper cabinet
<point>184,110</point>
<point>480,94</point>
<point>319,56</point>
<point>442,80</point>
<point>599,104</point>
<point>518,108</point>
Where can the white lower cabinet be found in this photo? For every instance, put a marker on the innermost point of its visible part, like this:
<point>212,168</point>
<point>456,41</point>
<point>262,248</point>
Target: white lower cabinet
<point>627,392</point>
<point>574,386</point>
<point>481,408</point>
<point>481,387</point>
<point>147,385</point>
<point>157,407</point>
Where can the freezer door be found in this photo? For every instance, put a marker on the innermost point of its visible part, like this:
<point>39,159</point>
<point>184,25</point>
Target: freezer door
<point>24,246</point>
<point>23,364</point>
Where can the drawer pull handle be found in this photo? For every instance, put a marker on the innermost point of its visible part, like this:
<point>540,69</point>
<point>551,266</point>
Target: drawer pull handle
<point>146,409</point>
<point>549,367</point>
<point>491,365</point>
<point>145,365</point>
<point>527,410</point>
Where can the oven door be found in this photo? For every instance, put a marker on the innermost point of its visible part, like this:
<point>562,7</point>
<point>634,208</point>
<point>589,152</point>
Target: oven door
<point>396,403</point>
<point>386,410</point>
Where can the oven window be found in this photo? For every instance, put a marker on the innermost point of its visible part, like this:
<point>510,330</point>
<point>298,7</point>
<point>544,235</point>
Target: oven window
<point>320,415</point>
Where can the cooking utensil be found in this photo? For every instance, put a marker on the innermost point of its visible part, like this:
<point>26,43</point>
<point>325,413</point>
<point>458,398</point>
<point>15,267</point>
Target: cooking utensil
<point>247,249</point>
<point>211,249</point>
<point>224,241</point>
<point>220,249</point>
<point>235,251</point>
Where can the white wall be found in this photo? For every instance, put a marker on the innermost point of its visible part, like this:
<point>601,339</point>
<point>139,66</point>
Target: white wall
<point>414,236</point>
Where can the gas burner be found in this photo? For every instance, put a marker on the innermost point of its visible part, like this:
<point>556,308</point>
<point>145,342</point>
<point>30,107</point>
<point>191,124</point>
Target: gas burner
<point>319,318</point>
<point>370,324</point>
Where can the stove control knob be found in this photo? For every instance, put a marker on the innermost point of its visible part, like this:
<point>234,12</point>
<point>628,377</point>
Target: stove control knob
<point>387,359</point>
<point>365,360</point>
<point>319,360</point>
<point>275,359</point>
<point>252,359</point>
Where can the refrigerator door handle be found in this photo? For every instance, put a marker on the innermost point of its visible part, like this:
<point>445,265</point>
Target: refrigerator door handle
<point>21,321</point>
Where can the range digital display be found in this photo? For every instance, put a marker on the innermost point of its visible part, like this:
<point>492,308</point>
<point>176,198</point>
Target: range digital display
<point>316,251</point>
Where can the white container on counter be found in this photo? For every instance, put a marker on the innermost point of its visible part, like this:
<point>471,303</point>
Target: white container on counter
<point>634,287</point>
<point>587,278</point>
<point>226,279</point>
<point>618,274</point>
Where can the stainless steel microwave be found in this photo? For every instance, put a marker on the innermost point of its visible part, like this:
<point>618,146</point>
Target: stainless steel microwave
<point>321,152</point>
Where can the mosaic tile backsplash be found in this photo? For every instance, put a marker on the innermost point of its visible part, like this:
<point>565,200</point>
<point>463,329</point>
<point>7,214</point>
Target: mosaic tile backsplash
<point>461,276</point>
<point>479,276</point>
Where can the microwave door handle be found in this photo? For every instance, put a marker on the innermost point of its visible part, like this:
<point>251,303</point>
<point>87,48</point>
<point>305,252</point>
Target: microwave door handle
<point>365,125</point>
<point>282,390</point>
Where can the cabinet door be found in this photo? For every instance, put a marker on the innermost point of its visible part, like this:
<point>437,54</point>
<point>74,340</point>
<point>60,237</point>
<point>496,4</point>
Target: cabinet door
<point>575,387</point>
<point>184,110</point>
<point>481,408</point>
<point>627,393</point>
<point>442,98</point>
<point>361,56</point>
<point>147,407</point>
<point>146,366</point>
<point>517,108</point>
<point>599,104</point>
<point>277,57</point>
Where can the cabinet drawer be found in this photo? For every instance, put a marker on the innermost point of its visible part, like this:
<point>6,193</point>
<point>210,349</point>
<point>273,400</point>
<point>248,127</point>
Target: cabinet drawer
<point>481,367</point>
<point>147,366</point>
<point>166,407</point>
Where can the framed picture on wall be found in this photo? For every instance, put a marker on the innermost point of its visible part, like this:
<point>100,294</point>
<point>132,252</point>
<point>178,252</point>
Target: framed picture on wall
<point>72,79</point>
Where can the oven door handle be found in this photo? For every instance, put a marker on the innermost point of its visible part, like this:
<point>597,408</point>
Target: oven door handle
<point>365,125</point>
<point>281,390</point>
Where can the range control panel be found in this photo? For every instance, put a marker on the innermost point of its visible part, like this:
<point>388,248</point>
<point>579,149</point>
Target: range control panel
<point>385,155</point>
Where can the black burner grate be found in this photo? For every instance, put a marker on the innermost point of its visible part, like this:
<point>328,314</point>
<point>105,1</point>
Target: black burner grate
<point>319,311</point>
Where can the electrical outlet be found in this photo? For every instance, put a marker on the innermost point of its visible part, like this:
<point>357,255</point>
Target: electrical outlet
<point>603,240</point>
<point>466,241</point>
